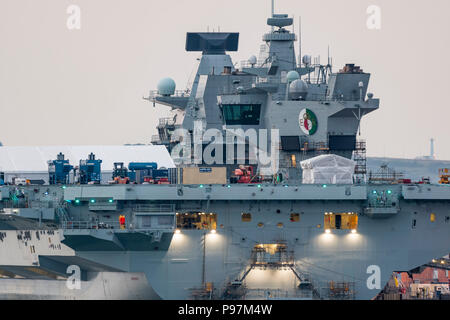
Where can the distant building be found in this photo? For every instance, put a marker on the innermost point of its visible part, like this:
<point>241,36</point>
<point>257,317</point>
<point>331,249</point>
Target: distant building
<point>424,283</point>
<point>431,156</point>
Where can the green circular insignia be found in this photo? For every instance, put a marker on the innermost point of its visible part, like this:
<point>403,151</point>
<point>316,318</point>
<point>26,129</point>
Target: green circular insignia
<point>308,122</point>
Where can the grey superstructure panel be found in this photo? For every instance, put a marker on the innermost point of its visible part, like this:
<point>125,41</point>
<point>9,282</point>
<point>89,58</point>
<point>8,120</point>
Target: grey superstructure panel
<point>217,192</point>
<point>426,192</point>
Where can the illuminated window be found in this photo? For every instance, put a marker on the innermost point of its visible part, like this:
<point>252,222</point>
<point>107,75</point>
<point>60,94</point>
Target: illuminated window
<point>293,161</point>
<point>246,217</point>
<point>197,221</point>
<point>260,224</point>
<point>344,221</point>
<point>432,217</point>
<point>280,225</point>
<point>295,217</point>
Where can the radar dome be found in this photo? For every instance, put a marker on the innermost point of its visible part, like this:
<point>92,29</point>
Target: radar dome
<point>292,76</point>
<point>252,60</point>
<point>298,89</point>
<point>166,87</point>
<point>306,60</point>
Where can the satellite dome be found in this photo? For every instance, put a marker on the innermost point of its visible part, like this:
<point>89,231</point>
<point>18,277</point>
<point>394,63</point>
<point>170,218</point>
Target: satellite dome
<point>306,60</point>
<point>252,60</point>
<point>298,89</point>
<point>292,76</point>
<point>166,87</point>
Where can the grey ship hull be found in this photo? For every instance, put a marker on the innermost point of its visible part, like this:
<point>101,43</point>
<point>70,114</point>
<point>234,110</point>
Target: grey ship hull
<point>393,241</point>
<point>395,236</point>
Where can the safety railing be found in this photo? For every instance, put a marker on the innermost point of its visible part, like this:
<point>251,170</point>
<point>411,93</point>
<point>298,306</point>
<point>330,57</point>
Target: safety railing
<point>115,225</point>
<point>80,225</point>
<point>166,122</point>
<point>155,139</point>
<point>277,294</point>
<point>166,208</point>
<point>269,80</point>
<point>178,93</point>
<point>247,64</point>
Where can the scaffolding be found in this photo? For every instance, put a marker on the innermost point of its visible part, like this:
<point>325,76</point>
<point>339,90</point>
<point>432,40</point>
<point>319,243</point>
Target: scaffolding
<point>314,148</point>
<point>359,156</point>
<point>205,292</point>
<point>385,175</point>
<point>341,290</point>
<point>274,256</point>
<point>235,290</point>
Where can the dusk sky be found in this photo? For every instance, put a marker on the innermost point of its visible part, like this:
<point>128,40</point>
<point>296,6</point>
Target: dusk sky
<point>85,87</point>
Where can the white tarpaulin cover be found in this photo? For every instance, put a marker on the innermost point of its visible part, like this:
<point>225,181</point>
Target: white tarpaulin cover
<point>328,169</point>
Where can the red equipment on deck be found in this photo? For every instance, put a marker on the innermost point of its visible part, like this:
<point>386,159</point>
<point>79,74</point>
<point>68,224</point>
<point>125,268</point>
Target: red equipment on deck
<point>246,175</point>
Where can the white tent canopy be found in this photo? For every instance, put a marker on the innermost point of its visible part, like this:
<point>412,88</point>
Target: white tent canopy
<point>328,169</point>
<point>31,162</point>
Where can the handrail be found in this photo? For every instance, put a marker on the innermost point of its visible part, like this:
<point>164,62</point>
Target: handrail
<point>79,225</point>
<point>178,94</point>
<point>111,225</point>
<point>154,208</point>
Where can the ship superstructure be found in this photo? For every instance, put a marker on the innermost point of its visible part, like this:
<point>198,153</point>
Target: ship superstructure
<point>316,111</point>
<point>239,232</point>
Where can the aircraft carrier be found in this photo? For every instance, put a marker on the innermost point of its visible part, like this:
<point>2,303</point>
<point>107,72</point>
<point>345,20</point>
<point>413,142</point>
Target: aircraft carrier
<point>224,224</point>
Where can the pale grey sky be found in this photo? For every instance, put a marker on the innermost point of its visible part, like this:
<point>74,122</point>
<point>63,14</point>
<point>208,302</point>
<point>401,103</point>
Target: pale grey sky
<point>76,87</point>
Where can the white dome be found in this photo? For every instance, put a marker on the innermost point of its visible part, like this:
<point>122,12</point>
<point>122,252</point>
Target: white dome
<point>252,60</point>
<point>298,86</point>
<point>166,87</point>
<point>298,89</point>
<point>292,76</point>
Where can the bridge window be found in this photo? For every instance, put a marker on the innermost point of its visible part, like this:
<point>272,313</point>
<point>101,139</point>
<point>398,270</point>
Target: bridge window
<point>340,221</point>
<point>197,221</point>
<point>242,114</point>
<point>295,217</point>
<point>290,143</point>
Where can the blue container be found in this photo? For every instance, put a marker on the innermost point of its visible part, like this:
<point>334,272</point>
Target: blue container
<point>142,166</point>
